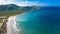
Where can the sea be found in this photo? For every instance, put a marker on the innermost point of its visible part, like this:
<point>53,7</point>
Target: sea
<point>44,21</point>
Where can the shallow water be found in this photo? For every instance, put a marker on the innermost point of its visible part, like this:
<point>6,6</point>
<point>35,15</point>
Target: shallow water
<point>45,21</point>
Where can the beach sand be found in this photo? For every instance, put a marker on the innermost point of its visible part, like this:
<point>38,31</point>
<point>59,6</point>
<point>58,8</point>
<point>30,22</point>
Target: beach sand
<point>11,25</point>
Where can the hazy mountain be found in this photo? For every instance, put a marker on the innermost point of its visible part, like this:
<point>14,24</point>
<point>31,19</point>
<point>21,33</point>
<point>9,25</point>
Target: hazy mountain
<point>12,9</point>
<point>8,7</point>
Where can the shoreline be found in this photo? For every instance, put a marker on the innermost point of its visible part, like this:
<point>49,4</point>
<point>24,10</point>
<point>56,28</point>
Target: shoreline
<point>11,25</point>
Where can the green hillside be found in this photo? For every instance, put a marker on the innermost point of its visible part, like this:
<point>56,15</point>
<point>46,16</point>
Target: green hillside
<point>11,9</point>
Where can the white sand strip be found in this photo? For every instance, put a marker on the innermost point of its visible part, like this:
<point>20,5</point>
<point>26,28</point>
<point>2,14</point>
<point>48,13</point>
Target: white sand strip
<point>11,25</point>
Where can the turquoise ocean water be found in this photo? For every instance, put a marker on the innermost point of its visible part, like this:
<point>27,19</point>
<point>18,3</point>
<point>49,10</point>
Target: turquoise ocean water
<point>46,21</point>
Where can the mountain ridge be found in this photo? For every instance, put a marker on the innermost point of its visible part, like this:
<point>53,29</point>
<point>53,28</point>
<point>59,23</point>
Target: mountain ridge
<point>12,9</point>
<point>8,7</point>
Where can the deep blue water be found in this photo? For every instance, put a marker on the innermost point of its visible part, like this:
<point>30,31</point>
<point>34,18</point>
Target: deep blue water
<point>46,21</point>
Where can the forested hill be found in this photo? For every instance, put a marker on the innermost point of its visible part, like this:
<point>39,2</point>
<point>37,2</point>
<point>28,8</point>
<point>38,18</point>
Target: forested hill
<point>12,9</point>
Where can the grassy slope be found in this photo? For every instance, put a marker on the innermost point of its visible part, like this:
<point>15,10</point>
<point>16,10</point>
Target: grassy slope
<point>8,13</point>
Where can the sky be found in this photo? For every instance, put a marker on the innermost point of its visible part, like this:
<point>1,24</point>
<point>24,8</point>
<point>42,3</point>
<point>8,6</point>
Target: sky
<point>31,2</point>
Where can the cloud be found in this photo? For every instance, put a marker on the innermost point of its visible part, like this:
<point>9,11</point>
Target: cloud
<point>26,3</point>
<point>5,2</point>
<point>22,3</point>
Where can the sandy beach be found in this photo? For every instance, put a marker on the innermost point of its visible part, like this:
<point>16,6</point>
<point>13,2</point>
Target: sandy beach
<point>11,25</point>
